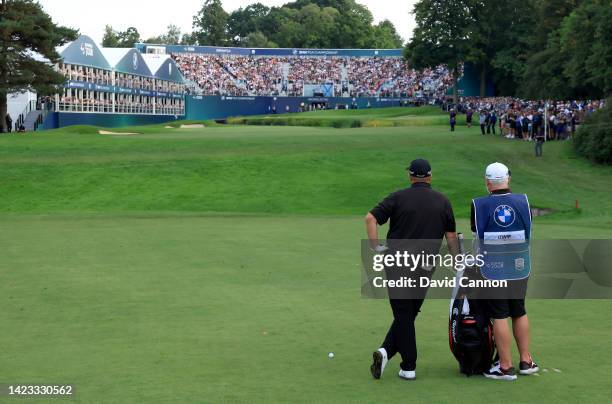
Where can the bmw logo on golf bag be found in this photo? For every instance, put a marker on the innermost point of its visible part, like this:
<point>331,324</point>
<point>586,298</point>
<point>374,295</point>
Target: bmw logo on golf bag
<point>504,215</point>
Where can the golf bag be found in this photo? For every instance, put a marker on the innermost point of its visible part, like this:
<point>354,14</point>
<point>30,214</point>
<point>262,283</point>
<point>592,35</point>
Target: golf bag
<point>470,336</point>
<point>470,333</point>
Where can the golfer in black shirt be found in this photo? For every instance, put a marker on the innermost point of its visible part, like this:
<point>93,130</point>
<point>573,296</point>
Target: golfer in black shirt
<point>417,212</point>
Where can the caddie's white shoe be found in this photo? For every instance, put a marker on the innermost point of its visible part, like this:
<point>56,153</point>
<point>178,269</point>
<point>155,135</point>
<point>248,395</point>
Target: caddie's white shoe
<point>380,360</point>
<point>407,374</point>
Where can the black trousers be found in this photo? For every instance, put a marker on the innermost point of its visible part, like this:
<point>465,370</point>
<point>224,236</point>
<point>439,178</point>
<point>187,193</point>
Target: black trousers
<point>401,337</point>
<point>482,128</point>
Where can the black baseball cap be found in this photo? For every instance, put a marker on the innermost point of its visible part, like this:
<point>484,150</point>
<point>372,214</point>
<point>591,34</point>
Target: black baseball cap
<point>419,168</point>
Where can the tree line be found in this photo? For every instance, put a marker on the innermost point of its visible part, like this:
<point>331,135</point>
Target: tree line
<point>298,24</point>
<point>25,31</point>
<point>553,49</point>
<point>536,49</point>
<point>557,49</point>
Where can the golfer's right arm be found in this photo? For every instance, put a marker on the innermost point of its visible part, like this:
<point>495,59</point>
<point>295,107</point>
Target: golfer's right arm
<point>451,231</point>
<point>372,229</point>
<point>378,216</point>
<point>453,242</point>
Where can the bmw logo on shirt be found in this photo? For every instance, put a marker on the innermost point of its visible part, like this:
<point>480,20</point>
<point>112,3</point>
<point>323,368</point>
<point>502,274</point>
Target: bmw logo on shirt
<point>504,215</point>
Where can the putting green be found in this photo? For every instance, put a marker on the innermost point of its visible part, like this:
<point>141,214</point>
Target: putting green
<point>223,264</point>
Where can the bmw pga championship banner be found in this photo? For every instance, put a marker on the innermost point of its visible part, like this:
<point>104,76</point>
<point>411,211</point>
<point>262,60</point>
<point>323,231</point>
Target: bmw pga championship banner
<point>212,50</point>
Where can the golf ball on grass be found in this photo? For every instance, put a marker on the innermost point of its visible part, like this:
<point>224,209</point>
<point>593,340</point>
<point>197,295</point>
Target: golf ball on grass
<point>330,355</point>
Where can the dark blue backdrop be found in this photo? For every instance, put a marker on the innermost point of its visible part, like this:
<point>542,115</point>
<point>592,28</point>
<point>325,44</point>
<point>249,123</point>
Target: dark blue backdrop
<point>220,107</point>
<point>61,119</point>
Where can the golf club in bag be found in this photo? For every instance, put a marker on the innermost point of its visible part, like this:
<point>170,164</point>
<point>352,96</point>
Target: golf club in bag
<point>470,332</point>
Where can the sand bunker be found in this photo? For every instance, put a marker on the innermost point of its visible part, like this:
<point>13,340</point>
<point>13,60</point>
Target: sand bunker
<point>192,126</point>
<point>106,132</point>
<point>168,127</point>
<point>540,211</point>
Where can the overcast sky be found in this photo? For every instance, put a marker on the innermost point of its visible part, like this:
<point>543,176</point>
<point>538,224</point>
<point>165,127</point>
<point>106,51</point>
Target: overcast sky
<point>152,17</point>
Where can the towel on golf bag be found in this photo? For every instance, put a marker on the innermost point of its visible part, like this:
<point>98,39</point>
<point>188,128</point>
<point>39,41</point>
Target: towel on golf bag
<point>470,335</point>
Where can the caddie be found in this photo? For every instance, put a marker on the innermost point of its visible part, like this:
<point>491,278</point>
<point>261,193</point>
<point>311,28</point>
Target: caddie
<point>501,222</point>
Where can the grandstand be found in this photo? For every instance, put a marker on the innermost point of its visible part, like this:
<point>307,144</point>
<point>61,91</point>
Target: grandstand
<point>307,75</point>
<point>157,83</point>
<point>109,87</point>
<point>119,80</point>
<point>278,80</point>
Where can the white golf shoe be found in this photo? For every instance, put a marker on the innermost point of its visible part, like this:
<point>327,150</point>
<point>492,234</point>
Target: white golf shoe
<point>407,374</point>
<point>380,360</point>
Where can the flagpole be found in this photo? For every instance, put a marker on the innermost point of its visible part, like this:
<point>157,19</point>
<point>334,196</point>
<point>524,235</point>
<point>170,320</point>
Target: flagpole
<point>545,120</point>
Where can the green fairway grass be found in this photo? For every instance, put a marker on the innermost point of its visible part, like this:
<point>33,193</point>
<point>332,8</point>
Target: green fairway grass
<point>376,117</point>
<point>280,170</point>
<point>223,264</point>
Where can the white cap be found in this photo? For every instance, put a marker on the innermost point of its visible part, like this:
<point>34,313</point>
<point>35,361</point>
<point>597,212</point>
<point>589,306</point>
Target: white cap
<point>497,171</point>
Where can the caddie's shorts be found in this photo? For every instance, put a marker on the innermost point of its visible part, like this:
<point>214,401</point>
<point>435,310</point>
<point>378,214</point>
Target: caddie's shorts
<point>504,308</point>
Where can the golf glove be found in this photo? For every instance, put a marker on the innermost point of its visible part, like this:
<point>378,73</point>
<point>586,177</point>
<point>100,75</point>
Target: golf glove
<point>381,248</point>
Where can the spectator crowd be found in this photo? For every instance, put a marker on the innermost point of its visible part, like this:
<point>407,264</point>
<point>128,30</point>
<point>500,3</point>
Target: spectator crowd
<point>94,75</point>
<point>85,99</point>
<point>523,119</point>
<point>288,76</point>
